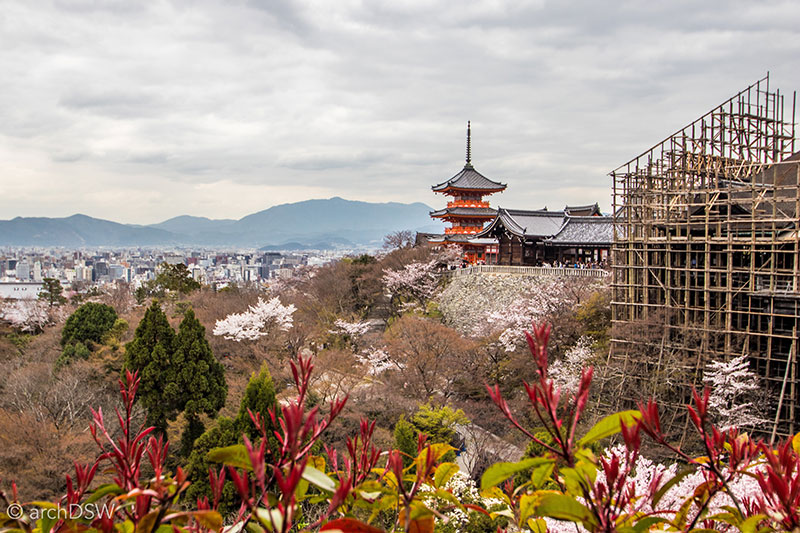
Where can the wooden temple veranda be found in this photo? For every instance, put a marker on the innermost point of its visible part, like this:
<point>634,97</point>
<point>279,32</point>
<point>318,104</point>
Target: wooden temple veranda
<point>705,259</point>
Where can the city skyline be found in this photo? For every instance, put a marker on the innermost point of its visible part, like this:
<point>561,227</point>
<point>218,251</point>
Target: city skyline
<point>141,113</point>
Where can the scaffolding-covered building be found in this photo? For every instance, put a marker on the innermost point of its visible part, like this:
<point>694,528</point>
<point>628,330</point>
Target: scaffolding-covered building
<point>705,258</point>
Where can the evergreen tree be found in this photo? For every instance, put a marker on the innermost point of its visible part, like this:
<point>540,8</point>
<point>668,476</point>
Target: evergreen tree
<point>52,292</point>
<point>259,397</point>
<point>405,440</point>
<point>200,378</point>
<point>89,322</point>
<point>150,352</point>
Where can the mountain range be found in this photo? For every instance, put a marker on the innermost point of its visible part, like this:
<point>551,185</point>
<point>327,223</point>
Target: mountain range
<point>330,223</point>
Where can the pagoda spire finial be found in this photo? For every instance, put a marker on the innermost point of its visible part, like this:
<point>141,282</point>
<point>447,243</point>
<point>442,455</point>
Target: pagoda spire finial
<point>469,147</point>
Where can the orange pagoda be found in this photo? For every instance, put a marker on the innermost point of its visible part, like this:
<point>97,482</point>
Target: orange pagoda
<point>467,211</point>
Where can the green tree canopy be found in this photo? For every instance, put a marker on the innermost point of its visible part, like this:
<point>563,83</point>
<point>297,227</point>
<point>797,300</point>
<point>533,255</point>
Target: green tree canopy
<point>150,352</point>
<point>200,377</point>
<point>90,322</point>
<point>52,292</point>
<point>176,278</point>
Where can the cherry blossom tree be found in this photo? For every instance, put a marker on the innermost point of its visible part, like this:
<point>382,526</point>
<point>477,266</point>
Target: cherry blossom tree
<point>480,306</point>
<point>27,316</point>
<point>354,330</point>
<point>566,372</point>
<point>416,281</point>
<point>256,322</point>
<point>733,390</point>
<point>377,361</point>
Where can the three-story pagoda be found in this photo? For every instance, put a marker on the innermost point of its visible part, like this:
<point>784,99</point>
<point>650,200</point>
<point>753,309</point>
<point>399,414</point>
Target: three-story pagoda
<point>467,211</point>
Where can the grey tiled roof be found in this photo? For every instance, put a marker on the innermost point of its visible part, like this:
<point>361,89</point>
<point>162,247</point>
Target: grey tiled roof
<point>582,210</point>
<point>555,227</point>
<point>470,179</point>
<point>585,230</point>
<point>527,223</point>
<point>465,211</point>
<point>435,238</point>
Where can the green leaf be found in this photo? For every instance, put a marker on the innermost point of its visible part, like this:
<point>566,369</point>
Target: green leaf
<point>147,523</point>
<point>125,527</point>
<point>537,525</point>
<point>541,474</point>
<point>270,517</point>
<point>751,524</point>
<point>562,507</point>
<point>449,497</point>
<point>443,474</point>
<point>610,425</point>
<point>499,472</point>
<point>208,519</point>
<point>46,523</point>
<point>527,506</point>
<point>235,456</point>
<point>318,479</point>
<point>104,490</point>
<point>645,524</point>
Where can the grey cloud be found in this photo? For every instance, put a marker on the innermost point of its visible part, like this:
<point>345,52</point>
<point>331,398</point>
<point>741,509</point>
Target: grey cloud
<point>286,97</point>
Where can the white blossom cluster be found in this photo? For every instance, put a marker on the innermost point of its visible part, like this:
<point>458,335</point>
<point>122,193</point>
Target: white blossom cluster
<point>744,486</point>
<point>377,361</point>
<point>352,329</point>
<point>733,386</point>
<point>417,280</point>
<point>464,489</point>
<point>483,305</point>
<point>256,322</point>
<point>27,316</point>
<point>566,372</point>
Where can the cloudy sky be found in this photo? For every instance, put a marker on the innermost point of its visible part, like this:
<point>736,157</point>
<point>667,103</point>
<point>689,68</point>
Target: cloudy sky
<point>140,111</point>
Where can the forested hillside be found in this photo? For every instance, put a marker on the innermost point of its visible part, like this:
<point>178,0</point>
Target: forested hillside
<point>374,390</point>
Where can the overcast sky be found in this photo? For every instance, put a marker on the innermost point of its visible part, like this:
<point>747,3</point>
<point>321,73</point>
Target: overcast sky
<point>138,111</point>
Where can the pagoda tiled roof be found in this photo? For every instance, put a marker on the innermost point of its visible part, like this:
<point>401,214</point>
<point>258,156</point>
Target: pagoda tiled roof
<point>465,212</point>
<point>470,179</point>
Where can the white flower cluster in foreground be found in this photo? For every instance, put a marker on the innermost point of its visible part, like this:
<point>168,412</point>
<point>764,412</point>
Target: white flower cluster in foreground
<point>256,322</point>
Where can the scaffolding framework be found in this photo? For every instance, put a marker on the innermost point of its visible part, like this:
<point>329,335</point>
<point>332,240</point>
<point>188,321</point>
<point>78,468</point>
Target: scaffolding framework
<point>705,257</point>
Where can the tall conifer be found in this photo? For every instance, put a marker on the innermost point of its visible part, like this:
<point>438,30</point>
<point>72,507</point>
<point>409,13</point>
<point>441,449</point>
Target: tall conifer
<point>150,352</point>
<point>200,378</point>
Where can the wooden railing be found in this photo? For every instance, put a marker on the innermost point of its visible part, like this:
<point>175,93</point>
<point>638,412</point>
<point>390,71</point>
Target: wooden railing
<point>529,271</point>
<point>467,203</point>
<point>458,230</point>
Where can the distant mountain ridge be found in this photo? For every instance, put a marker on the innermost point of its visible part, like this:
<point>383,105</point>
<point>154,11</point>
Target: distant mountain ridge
<point>313,223</point>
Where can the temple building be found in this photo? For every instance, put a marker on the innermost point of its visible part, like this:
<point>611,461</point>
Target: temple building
<point>467,211</point>
<point>576,235</point>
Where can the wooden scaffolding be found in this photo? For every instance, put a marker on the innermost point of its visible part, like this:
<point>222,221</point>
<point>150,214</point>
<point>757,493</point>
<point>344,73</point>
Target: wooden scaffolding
<point>705,258</point>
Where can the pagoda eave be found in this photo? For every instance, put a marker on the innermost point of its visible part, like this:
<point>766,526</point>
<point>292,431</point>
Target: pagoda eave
<point>456,190</point>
